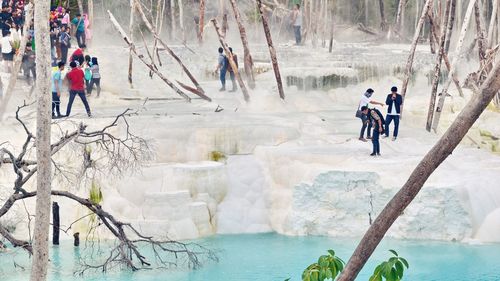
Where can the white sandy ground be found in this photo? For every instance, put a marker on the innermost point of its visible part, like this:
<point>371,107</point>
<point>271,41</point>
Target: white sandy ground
<point>295,167</point>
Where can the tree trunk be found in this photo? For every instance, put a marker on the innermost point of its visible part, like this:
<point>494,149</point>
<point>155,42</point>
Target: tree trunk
<point>432,43</point>
<point>143,60</point>
<point>201,21</point>
<point>171,53</point>
<point>432,160</point>
<point>225,25</point>
<point>172,17</point>
<point>131,31</point>
<point>332,29</point>
<point>80,7</point>
<point>409,63</point>
<point>181,21</point>
<point>233,65</point>
<point>399,16</point>
<point>90,6</point>
<point>18,59</point>
<point>437,68</point>
<point>383,21</point>
<point>247,56</point>
<point>272,51</point>
<point>454,64</point>
<point>450,25</point>
<point>43,149</point>
<point>481,40</point>
<point>55,223</point>
<point>493,19</point>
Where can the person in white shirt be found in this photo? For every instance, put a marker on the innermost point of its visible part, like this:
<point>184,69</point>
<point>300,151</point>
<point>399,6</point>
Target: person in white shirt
<point>297,23</point>
<point>394,101</point>
<point>7,50</point>
<point>366,99</point>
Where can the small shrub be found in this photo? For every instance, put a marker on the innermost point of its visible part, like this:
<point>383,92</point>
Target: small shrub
<point>391,270</point>
<point>327,267</point>
<point>217,156</point>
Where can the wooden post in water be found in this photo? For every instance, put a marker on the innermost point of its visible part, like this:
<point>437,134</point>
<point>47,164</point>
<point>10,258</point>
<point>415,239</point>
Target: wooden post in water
<point>55,223</point>
<point>76,239</point>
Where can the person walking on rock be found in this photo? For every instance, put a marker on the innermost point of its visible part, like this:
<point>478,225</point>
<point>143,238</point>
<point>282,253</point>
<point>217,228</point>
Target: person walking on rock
<point>366,99</point>
<point>222,68</point>
<point>297,23</point>
<point>79,24</point>
<point>394,102</point>
<point>57,81</point>
<point>76,79</point>
<point>377,120</point>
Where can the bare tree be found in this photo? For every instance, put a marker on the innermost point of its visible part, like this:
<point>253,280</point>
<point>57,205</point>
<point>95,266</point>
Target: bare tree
<point>409,63</point>
<point>201,21</point>
<point>131,31</point>
<point>272,50</point>
<point>43,118</point>
<point>111,157</point>
<point>383,21</point>
<point>432,160</point>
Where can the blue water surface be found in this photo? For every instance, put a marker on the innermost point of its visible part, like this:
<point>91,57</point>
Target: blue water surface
<point>269,257</point>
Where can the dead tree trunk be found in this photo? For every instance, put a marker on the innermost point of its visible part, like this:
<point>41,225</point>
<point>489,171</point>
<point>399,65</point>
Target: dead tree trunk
<point>17,62</point>
<point>454,64</point>
<point>200,92</point>
<point>225,25</point>
<point>432,160</point>
<point>432,42</point>
<point>55,223</point>
<point>131,31</point>
<point>399,16</point>
<point>80,7</point>
<point>492,25</point>
<point>90,6</point>
<point>332,29</point>
<point>450,25</point>
<point>246,50</point>
<point>43,149</point>
<point>409,63</point>
<point>481,40</point>
<point>181,21</point>
<point>437,68</point>
<point>201,21</point>
<point>141,58</point>
<point>272,51</point>
<point>383,21</point>
<point>232,63</point>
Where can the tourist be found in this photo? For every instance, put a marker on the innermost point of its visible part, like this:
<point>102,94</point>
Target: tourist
<point>65,18</point>
<point>88,73</point>
<point>7,50</point>
<point>79,23</point>
<point>297,23</point>
<point>230,69</point>
<point>65,43</point>
<point>28,63</point>
<point>96,77</point>
<point>222,67</point>
<point>55,46</point>
<point>77,87</point>
<point>57,81</point>
<point>78,57</point>
<point>366,99</point>
<point>394,102</point>
<point>377,120</point>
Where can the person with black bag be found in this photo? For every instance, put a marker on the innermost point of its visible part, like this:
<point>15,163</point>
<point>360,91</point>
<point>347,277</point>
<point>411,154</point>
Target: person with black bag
<point>377,119</point>
<point>365,101</point>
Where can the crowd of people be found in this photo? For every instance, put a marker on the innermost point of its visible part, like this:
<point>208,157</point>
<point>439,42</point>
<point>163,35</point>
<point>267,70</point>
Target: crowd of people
<point>373,121</point>
<point>83,74</point>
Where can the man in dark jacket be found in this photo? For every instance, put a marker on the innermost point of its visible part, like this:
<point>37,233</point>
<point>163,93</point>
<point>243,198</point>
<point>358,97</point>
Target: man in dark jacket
<point>393,102</point>
<point>377,120</point>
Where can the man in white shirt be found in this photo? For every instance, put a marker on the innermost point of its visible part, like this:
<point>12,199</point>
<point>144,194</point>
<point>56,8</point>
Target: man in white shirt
<point>394,102</point>
<point>366,99</point>
<point>7,50</point>
<point>297,23</point>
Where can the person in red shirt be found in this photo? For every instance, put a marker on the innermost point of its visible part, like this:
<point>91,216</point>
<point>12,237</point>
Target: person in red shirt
<point>76,79</point>
<point>78,56</point>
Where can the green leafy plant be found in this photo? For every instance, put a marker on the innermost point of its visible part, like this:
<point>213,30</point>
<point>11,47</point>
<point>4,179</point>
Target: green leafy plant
<point>391,270</point>
<point>327,267</point>
<point>95,193</point>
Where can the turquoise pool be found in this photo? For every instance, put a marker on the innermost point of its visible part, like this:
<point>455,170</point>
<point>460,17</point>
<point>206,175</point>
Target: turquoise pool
<point>269,257</point>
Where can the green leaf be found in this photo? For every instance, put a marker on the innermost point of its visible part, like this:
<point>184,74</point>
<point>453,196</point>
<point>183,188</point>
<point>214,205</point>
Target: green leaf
<point>332,253</point>
<point>288,279</point>
<point>393,275</point>
<point>399,269</point>
<point>329,274</point>
<point>314,276</point>
<point>405,262</point>
<point>394,252</point>
<point>339,264</point>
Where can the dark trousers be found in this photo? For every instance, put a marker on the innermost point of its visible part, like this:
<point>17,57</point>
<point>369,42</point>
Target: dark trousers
<point>97,82</point>
<point>72,95</point>
<point>388,121</point>
<point>80,38</point>
<point>30,70</point>
<point>298,34</point>
<point>222,77</point>
<point>64,53</point>
<point>56,102</point>
<point>375,140</point>
<point>365,123</point>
